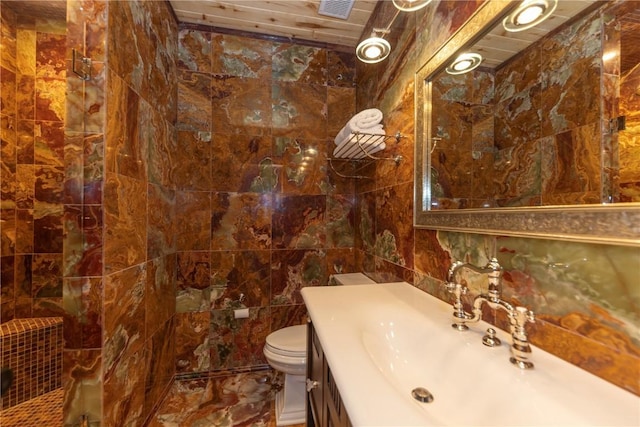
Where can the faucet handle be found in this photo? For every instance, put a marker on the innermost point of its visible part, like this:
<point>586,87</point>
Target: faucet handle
<point>456,288</point>
<point>524,315</point>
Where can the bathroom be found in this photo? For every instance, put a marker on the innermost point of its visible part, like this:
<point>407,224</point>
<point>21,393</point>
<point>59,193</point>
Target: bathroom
<point>180,195</point>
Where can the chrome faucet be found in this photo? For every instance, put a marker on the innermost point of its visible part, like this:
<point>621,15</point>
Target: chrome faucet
<point>518,316</point>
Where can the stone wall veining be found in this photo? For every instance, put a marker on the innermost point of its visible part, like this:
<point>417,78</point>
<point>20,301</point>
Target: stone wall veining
<point>259,212</point>
<point>583,294</point>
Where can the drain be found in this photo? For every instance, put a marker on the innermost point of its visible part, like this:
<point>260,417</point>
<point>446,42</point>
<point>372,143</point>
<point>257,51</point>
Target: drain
<point>421,394</point>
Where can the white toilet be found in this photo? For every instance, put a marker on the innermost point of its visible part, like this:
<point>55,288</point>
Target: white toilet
<point>286,351</point>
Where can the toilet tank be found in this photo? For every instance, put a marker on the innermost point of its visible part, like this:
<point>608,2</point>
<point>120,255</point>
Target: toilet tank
<point>350,279</point>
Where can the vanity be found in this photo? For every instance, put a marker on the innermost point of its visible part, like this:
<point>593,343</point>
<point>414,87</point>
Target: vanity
<point>371,346</point>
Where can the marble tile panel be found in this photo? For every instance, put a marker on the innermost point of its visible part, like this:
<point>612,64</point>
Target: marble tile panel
<point>299,222</point>
<point>241,105</point>
<point>299,110</point>
<point>161,236</point>
<point>193,281</point>
<point>365,222</point>
<point>194,50</point>
<point>192,349</point>
<point>241,56</point>
<point>292,270</point>
<point>93,177</point>
<point>23,274</point>
<point>581,183</point>
<point>49,143</point>
<point>125,222</point>
<point>8,91</point>
<point>92,93</point>
<point>126,151</point>
<point>193,219</point>
<point>517,119</point>
<point>24,229</point>
<point>82,382</point>
<point>92,227</point>
<point>124,390</point>
<point>162,150</point>
<point>86,26</point>
<point>25,97</point>
<point>341,69</point>
<point>238,342</point>
<point>299,63</point>
<point>283,316</point>
<point>160,302</point>
<point>159,375</point>
<point>73,168</point>
<point>50,55</point>
<point>46,276</point>
<point>340,221</point>
<point>193,161</point>
<point>244,399</point>
<point>8,38</point>
<point>517,174</point>
<point>8,233</point>
<point>236,273</point>
<point>7,273</point>
<point>240,221</point>
<point>47,307</point>
<point>341,106</point>
<point>304,165</point>
<point>25,141</point>
<point>82,303</point>
<point>194,101</point>
<point>394,224</point>
<point>124,318</point>
<point>50,98</point>
<point>25,186</point>
<point>47,228</point>
<point>243,163</point>
<point>519,75</point>
<point>74,102</point>
<point>49,184</point>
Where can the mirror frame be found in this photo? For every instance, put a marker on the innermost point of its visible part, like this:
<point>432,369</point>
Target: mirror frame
<point>608,224</point>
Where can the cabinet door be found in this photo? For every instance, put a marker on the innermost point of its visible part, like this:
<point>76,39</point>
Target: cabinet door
<point>315,363</point>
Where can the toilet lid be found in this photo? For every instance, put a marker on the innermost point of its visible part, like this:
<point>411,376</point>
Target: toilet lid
<point>290,340</point>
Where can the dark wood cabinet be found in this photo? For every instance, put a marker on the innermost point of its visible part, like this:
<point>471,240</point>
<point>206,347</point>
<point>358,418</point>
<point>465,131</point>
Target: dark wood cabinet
<point>324,405</point>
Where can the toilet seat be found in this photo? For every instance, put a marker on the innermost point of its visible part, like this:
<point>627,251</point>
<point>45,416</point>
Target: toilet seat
<point>288,342</point>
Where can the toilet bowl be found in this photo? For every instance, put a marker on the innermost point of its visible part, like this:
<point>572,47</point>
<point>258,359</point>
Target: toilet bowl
<point>286,351</point>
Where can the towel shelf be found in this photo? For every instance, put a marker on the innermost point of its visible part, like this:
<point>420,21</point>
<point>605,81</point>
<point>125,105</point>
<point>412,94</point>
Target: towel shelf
<point>362,140</point>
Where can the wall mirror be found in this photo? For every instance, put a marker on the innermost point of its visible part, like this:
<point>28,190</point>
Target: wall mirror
<point>542,139</point>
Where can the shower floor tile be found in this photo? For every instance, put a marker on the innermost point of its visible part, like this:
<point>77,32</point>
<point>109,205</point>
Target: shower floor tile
<point>236,400</point>
<point>45,410</point>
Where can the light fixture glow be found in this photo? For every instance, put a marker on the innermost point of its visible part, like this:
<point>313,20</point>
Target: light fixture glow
<point>372,50</point>
<point>464,63</point>
<point>529,14</point>
<point>410,5</point>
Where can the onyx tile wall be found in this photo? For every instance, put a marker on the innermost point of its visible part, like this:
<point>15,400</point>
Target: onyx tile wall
<point>514,129</point>
<point>582,294</point>
<point>259,213</point>
<point>120,240</point>
<point>32,78</point>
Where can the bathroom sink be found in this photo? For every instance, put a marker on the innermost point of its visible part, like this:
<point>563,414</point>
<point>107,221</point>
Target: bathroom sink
<point>382,341</point>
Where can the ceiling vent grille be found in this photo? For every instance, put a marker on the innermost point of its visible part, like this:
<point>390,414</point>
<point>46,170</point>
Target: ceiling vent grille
<point>336,8</point>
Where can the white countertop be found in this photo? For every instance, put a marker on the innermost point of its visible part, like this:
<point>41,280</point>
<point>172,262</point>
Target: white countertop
<point>383,340</point>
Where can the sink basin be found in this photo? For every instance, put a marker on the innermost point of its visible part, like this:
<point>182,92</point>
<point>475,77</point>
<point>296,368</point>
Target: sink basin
<point>382,341</point>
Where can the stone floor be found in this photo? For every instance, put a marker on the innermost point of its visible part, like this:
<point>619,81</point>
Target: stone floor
<point>44,410</point>
<point>232,400</point>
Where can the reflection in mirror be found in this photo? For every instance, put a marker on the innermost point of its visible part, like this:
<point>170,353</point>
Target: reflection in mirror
<point>555,123</point>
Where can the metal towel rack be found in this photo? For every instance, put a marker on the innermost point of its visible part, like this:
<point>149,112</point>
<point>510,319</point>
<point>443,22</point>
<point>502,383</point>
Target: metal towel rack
<point>363,140</point>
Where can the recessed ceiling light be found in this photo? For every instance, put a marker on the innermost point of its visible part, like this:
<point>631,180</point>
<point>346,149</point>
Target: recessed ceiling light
<point>372,50</point>
<point>529,14</point>
<point>464,63</point>
<point>410,5</point>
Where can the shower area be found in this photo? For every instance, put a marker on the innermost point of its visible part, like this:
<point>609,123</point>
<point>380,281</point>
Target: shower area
<point>33,86</point>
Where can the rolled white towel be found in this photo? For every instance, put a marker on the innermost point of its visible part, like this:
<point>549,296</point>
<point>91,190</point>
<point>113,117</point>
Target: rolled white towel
<point>361,122</point>
<point>358,146</point>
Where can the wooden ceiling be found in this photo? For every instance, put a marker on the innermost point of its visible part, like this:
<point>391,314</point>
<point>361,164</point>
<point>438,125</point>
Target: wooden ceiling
<point>297,19</point>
